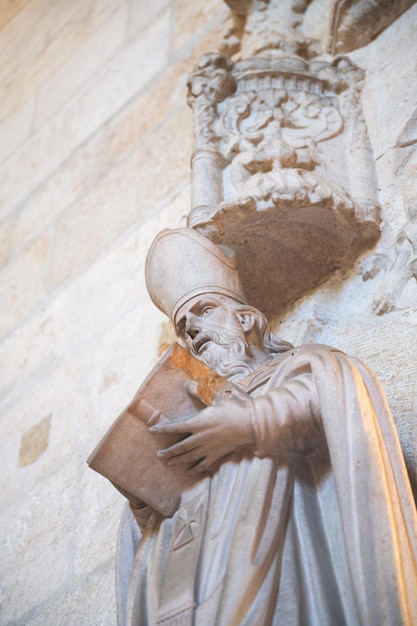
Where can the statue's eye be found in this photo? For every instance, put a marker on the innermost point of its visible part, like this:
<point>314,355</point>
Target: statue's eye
<point>207,310</point>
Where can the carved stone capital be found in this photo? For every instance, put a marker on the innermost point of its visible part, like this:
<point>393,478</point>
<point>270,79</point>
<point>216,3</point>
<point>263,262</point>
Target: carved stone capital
<point>282,154</point>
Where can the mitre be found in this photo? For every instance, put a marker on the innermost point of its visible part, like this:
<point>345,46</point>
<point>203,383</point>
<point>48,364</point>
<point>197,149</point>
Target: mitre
<point>182,263</point>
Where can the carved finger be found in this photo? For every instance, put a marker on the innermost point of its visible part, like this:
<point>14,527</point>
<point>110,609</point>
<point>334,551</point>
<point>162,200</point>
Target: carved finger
<point>177,449</point>
<point>172,428</point>
<point>192,456</point>
<point>202,465</point>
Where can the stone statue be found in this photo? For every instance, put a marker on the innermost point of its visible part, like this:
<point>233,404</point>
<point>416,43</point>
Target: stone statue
<point>301,511</point>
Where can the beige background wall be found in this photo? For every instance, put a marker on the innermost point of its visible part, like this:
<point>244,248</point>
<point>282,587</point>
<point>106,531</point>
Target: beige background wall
<point>95,146</point>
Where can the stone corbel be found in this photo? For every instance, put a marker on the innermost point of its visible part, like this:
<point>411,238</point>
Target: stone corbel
<point>283,171</point>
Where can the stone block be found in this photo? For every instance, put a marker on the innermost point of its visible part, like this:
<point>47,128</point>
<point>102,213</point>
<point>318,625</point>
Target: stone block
<point>59,191</point>
<point>17,47</point>
<point>91,601</point>
<point>36,347</point>
<point>142,13</point>
<point>136,63</point>
<point>106,148</point>
<point>20,299</point>
<point>81,66</point>
<point>58,398</point>
<point>79,312</point>
<point>34,442</point>
<point>141,115</point>
<point>118,81</point>
<point>119,361</point>
<point>115,283</point>
<point>389,97</point>
<point>10,9</point>
<point>100,509</point>
<point>16,129</point>
<point>126,196</point>
<point>191,17</point>
<point>65,26</point>
<point>35,535</point>
<point>6,234</point>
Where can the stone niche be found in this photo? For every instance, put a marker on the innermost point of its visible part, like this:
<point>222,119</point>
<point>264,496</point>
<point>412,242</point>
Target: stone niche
<point>282,170</point>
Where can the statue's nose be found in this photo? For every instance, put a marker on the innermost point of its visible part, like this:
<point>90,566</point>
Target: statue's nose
<point>192,332</point>
<point>191,327</point>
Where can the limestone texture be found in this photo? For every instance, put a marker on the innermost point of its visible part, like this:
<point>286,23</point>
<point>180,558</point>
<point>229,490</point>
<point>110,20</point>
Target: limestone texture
<point>95,149</point>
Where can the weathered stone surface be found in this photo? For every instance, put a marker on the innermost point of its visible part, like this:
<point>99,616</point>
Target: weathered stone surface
<point>60,33</point>
<point>18,300</point>
<point>117,82</point>
<point>71,27</point>
<point>17,46</point>
<point>167,337</point>
<point>36,347</point>
<point>34,442</point>
<point>60,394</point>
<point>110,384</point>
<point>10,9</point>
<point>387,107</point>
<point>190,17</point>
<point>143,13</point>
<point>101,509</point>
<point>151,174</point>
<point>104,150</point>
<point>6,232</point>
<point>91,601</point>
<point>81,353</point>
<point>41,526</point>
<point>16,129</point>
<point>356,23</point>
<point>82,310</point>
<point>81,66</point>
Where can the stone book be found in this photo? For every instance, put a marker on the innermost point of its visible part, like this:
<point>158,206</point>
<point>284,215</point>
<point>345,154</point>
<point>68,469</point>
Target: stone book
<point>127,454</point>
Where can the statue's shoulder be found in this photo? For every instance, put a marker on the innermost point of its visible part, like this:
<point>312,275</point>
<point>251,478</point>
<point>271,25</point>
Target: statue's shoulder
<point>294,360</point>
<point>300,356</point>
<point>315,348</point>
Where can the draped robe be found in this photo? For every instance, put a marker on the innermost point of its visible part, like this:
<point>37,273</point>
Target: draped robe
<point>317,526</point>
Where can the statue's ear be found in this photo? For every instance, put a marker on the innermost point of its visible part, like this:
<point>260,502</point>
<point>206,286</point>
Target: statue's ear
<point>247,320</point>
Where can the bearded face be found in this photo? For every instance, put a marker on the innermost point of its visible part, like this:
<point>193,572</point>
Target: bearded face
<point>214,332</point>
<point>226,352</point>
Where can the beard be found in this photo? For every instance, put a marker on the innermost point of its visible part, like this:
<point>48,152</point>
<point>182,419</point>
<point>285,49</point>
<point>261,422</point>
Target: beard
<point>227,352</point>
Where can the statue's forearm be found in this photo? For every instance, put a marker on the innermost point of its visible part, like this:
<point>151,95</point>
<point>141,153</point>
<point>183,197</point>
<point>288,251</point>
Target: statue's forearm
<point>287,419</point>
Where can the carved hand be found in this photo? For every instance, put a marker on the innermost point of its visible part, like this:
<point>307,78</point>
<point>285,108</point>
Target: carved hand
<point>213,433</point>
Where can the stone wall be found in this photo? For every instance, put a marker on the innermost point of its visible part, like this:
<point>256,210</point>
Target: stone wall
<point>95,147</point>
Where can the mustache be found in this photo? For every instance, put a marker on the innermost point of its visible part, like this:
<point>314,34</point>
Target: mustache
<point>233,361</point>
<point>222,338</point>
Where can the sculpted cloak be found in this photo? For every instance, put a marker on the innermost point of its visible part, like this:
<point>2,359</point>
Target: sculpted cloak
<point>318,527</point>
